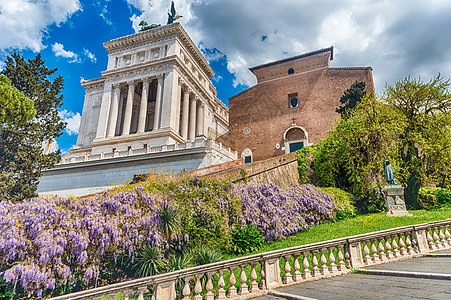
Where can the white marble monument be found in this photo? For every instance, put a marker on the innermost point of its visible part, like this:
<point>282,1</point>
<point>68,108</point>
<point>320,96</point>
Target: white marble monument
<point>153,109</point>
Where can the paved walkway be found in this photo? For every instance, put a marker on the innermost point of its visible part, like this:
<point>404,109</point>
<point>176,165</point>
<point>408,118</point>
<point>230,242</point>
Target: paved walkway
<point>418,278</point>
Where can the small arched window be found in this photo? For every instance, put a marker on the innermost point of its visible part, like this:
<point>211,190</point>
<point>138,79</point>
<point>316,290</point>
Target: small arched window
<point>290,71</point>
<point>294,102</point>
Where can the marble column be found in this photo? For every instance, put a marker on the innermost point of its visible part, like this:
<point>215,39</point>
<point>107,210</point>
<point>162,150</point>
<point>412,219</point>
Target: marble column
<point>129,108</point>
<point>143,107</point>
<point>168,119</point>
<point>192,120</point>
<point>200,119</point>
<point>104,111</point>
<point>119,117</point>
<point>114,110</point>
<point>185,112</point>
<point>156,119</point>
<point>178,106</point>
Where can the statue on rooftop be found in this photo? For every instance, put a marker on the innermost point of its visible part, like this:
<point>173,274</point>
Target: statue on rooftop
<point>172,15</point>
<point>145,26</point>
<point>389,173</point>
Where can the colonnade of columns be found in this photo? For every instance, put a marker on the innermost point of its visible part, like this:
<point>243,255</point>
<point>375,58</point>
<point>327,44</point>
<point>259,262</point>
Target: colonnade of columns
<point>190,110</point>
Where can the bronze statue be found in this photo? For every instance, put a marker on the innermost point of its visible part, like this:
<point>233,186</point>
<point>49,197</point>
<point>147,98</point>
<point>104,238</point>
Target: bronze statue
<point>389,173</point>
<point>172,16</point>
<point>145,26</point>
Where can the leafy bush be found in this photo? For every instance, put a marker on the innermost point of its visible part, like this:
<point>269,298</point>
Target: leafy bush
<point>149,262</point>
<point>443,197</point>
<point>372,200</point>
<point>246,239</point>
<point>427,198</point>
<point>344,201</point>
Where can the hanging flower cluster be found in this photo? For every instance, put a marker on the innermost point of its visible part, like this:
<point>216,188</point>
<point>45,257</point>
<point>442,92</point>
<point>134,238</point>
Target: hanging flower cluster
<point>280,212</point>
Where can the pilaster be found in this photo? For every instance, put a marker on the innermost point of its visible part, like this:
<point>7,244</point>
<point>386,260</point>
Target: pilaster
<point>169,103</point>
<point>104,111</point>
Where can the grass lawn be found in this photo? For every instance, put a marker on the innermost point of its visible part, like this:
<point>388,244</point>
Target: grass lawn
<point>354,226</point>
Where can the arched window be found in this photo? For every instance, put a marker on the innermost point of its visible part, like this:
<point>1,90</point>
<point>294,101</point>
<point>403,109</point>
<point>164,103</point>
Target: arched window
<point>290,71</point>
<point>247,155</point>
<point>295,138</point>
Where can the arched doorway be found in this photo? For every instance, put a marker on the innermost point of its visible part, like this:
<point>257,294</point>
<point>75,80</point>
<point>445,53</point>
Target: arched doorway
<point>295,138</point>
<point>247,155</point>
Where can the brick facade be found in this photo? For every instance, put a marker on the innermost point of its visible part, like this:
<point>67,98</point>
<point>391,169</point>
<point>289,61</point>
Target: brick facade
<point>261,117</point>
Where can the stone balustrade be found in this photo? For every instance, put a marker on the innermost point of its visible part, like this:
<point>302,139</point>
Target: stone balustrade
<point>250,276</point>
<point>198,143</point>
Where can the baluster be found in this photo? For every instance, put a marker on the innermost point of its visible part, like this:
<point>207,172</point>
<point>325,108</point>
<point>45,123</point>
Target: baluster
<point>332,266</point>
<point>381,249</point>
<point>315,270</point>
<point>297,276</point>
<point>341,265</point>
<point>402,245</point>
<point>287,278</point>
<point>254,285</point>
<point>429,239</point>
<point>447,236</point>
<point>436,238</point>
<point>323,260</point>
<point>141,291</point>
<point>186,292</point>
<point>394,247</point>
<point>409,244</point>
<point>366,253</point>
<point>198,288</point>
<point>209,287</point>
<point>305,265</point>
<point>441,236</point>
<point>347,256</point>
<point>388,252</point>
<point>374,256</point>
<point>243,287</point>
<point>232,280</point>
<point>221,292</point>
<point>262,284</point>
<point>128,294</point>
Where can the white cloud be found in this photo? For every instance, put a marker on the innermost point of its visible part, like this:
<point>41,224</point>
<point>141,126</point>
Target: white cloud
<point>396,38</point>
<point>89,55</point>
<point>24,23</point>
<point>72,120</point>
<point>58,49</point>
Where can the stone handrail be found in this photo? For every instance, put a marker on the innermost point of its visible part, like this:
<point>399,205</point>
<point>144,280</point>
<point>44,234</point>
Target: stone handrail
<point>198,143</point>
<point>300,263</point>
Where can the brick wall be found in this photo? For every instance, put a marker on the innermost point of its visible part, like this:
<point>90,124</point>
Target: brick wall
<point>266,111</point>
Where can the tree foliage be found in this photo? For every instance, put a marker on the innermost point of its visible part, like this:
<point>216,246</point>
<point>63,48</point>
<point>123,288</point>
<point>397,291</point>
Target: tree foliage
<point>424,110</point>
<point>15,108</point>
<point>410,126</point>
<point>351,98</point>
<point>21,155</point>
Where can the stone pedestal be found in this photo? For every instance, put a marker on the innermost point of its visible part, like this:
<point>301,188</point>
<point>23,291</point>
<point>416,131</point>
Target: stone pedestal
<point>394,199</point>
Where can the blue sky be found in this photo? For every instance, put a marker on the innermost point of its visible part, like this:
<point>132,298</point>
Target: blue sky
<point>397,38</point>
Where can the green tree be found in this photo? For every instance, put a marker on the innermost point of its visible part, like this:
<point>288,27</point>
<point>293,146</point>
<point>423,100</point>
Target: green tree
<point>351,156</point>
<point>351,97</point>
<point>15,108</point>
<point>21,155</point>
<point>425,115</point>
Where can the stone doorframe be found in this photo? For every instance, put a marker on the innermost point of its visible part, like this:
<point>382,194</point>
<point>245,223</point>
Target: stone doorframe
<point>287,142</point>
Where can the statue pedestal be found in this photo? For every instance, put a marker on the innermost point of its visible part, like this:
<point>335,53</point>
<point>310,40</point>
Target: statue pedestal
<point>394,199</point>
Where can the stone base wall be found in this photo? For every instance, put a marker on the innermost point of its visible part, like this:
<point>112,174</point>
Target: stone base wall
<point>82,178</point>
<point>281,170</point>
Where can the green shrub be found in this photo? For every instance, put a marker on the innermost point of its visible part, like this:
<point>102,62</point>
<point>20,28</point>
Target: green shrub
<point>427,197</point>
<point>443,197</point>
<point>344,201</point>
<point>370,201</point>
<point>246,239</point>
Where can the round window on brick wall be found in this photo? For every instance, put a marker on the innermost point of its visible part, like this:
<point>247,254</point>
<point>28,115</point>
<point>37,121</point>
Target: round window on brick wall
<point>294,102</point>
<point>246,130</point>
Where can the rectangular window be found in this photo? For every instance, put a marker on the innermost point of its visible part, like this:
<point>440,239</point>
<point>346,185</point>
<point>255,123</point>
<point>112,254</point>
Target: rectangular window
<point>247,159</point>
